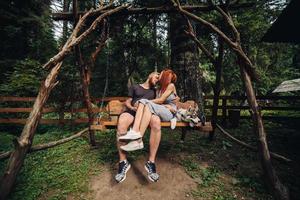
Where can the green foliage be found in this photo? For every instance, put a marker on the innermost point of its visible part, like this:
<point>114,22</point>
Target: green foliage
<point>27,41</point>
<point>24,80</point>
<point>209,175</point>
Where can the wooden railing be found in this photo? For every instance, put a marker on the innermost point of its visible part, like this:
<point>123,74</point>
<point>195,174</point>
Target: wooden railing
<point>266,103</point>
<point>226,103</point>
<point>60,120</point>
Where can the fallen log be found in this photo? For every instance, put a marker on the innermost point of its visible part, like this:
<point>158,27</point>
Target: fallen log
<point>48,145</point>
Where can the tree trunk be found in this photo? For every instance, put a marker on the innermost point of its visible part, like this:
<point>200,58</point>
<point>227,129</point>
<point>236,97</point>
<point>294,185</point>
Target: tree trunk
<point>84,74</point>
<point>23,144</point>
<point>154,37</point>
<point>66,5</point>
<point>278,190</point>
<point>217,87</point>
<point>185,62</point>
<point>85,79</point>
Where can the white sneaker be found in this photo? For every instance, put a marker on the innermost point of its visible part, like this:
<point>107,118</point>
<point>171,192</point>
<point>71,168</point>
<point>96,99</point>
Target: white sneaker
<point>132,146</point>
<point>173,122</point>
<point>131,135</point>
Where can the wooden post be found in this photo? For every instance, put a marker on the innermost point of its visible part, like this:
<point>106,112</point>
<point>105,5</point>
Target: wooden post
<point>61,113</point>
<point>279,191</point>
<point>75,11</point>
<point>86,93</point>
<point>224,111</point>
<point>84,74</point>
<point>217,88</point>
<point>183,134</point>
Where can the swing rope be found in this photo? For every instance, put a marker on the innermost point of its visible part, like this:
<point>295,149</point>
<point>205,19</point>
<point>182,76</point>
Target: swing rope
<point>100,114</point>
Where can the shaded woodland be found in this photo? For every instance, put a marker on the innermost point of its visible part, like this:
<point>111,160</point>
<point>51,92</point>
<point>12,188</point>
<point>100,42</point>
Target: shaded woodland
<point>215,48</point>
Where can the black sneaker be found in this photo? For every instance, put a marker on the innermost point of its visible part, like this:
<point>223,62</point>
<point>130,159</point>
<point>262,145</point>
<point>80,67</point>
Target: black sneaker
<point>151,169</point>
<point>124,166</point>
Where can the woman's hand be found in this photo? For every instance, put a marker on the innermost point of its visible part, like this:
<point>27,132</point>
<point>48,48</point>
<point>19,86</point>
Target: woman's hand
<point>171,109</point>
<point>177,99</point>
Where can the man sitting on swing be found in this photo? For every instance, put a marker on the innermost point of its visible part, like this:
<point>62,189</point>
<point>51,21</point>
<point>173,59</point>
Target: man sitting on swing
<point>137,92</point>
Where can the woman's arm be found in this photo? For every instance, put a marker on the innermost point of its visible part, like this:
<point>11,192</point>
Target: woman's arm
<point>165,95</point>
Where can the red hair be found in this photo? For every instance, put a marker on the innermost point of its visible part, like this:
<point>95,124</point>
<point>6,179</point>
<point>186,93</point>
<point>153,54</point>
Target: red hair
<point>167,77</point>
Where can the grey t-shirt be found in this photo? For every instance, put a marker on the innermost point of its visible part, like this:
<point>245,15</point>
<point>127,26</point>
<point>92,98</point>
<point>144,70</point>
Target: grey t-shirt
<point>137,92</point>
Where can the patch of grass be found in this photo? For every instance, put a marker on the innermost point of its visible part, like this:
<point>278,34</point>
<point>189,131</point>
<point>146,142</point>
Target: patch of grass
<point>209,175</point>
<point>58,171</point>
<point>252,183</point>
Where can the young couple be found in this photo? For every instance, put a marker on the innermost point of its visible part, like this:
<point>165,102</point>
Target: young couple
<point>146,106</point>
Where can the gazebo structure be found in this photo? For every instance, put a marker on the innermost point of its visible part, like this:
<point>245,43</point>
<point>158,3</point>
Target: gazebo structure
<point>288,86</point>
<point>283,30</point>
<point>87,22</point>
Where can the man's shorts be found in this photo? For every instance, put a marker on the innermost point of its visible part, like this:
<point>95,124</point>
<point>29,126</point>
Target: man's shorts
<point>131,112</point>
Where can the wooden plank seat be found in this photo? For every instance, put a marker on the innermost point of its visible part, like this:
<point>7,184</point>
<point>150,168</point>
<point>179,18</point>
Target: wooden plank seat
<point>115,108</point>
<point>112,124</point>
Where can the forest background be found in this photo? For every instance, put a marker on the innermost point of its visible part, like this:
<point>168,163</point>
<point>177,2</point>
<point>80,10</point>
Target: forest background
<point>138,45</point>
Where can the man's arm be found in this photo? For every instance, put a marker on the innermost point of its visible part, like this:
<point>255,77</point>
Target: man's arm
<point>128,104</point>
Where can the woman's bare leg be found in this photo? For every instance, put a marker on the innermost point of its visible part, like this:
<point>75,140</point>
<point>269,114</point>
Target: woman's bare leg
<point>146,120</point>
<point>138,117</point>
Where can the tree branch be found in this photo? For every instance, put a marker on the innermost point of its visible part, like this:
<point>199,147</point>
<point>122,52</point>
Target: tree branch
<point>229,21</point>
<point>204,22</point>
<point>190,32</point>
<point>274,155</point>
<point>152,10</point>
<point>235,45</point>
<point>74,40</point>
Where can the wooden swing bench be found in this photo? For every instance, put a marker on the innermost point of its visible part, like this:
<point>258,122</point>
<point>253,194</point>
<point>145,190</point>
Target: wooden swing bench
<point>116,106</point>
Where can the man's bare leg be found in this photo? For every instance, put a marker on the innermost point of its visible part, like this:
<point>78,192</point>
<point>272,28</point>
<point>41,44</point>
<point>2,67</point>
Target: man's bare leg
<point>154,143</point>
<point>155,136</point>
<point>125,120</point>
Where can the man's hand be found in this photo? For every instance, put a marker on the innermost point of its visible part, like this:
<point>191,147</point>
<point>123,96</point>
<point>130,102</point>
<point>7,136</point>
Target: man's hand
<point>134,108</point>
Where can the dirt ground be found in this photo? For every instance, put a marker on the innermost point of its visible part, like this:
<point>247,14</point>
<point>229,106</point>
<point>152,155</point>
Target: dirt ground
<point>174,183</point>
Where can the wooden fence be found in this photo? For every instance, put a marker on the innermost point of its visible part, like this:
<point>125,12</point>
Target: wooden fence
<point>226,103</point>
